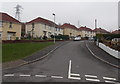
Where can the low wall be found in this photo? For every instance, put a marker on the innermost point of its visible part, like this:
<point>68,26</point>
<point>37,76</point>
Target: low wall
<point>109,50</point>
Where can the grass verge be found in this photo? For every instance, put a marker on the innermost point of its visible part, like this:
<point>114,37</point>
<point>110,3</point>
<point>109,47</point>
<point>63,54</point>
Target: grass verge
<point>11,52</point>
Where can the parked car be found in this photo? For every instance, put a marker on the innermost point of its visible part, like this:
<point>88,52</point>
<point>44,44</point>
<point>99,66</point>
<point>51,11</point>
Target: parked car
<point>77,38</point>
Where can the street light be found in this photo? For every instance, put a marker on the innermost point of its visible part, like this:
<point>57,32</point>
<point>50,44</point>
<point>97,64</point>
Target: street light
<point>54,26</point>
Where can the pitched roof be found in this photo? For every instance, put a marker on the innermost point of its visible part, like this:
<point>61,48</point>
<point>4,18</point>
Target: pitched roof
<point>85,29</point>
<point>100,30</point>
<point>6,17</point>
<point>116,32</point>
<point>68,25</point>
<point>42,20</point>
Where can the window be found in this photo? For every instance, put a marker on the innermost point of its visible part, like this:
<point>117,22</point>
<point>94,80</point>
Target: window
<point>45,26</point>
<point>55,29</point>
<point>49,34</point>
<point>13,34</point>
<point>59,29</point>
<point>1,24</point>
<point>10,25</point>
<point>49,27</point>
<point>33,25</point>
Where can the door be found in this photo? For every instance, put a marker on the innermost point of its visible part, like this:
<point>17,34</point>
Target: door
<point>0,35</point>
<point>9,36</point>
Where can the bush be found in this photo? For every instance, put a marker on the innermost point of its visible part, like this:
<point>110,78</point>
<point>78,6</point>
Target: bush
<point>59,37</point>
<point>52,36</point>
<point>44,37</point>
<point>29,36</point>
<point>17,38</point>
<point>64,37</point>
<point>107,36</point>
<point>111,36</point>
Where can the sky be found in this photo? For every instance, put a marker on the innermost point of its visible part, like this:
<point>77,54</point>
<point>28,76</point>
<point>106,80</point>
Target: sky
<point>76,13</point>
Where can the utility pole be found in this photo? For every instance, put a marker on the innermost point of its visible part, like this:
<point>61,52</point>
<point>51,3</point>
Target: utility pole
<point>95,23</point>
<point>18,11</point>
<point>54,26</point>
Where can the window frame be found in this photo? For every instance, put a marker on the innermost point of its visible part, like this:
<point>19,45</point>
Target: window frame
<point>10,24</point>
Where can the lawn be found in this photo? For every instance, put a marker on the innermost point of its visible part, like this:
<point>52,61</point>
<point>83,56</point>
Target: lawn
<point>14,51</point>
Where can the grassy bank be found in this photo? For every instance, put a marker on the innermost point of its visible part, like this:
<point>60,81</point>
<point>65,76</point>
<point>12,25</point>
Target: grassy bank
<point>16,51</point>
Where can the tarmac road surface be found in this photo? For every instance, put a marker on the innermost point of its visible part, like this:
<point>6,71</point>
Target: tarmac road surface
<point>71,62</point>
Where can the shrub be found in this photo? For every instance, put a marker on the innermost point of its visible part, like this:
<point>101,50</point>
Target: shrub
<point>17,38</point>
<point>44,37</point>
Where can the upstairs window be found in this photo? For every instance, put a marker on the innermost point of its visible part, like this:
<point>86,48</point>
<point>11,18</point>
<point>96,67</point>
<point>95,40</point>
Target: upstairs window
<point>10,25</point>
<point>45,26</point>
<point>49,27</point>
<point>33,25</point>
<point>56,29</point>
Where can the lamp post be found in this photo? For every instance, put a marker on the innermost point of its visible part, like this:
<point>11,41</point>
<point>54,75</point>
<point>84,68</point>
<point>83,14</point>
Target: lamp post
<point>54,26</point>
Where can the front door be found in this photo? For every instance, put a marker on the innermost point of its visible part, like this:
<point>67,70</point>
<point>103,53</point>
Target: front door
<point>0,35</point>
<point>9,36</point>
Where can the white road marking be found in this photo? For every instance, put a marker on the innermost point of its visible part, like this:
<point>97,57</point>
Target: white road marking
<point>69,71</point>
<point>109,78</point>
<point>56,77</point>
<point>92,79</point>
<point>75,74</point>
<point>109,81</point>
<point>76,78</point>
<point>9,75</point>
<point>90,50</point>
<point>72,74</point>
<point>91,76</point>
<point>40,75</point>
<point>25,75</point>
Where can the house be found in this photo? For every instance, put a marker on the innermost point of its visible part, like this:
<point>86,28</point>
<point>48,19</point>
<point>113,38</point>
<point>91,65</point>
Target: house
<point>40,27</point>
<point>100,31</point>
<point>116,32</point>
<point>86,32</point>
<point>71,30</point>
<point>10,28</point>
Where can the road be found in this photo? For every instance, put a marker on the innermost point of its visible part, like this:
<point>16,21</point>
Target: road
<point>71,62</point>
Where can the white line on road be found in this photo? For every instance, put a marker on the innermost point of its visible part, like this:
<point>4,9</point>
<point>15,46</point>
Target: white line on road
<point>90,50</point>
<point>9,75</point>
<point>91,76</point>
<point>56,77</point>
<point>109,81</point>
<point>74,78</point>
<point>25,75</point>
<point>69,71</point>
<point>40,76</point>
<point>75,74</point>
<point>109,78</point>
<point>72,74</point>
<point>97,80</point>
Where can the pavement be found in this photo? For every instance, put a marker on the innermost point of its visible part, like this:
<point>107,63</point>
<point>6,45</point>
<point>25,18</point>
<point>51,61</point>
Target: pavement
<point>72,62</point>
<point>102,55</point>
